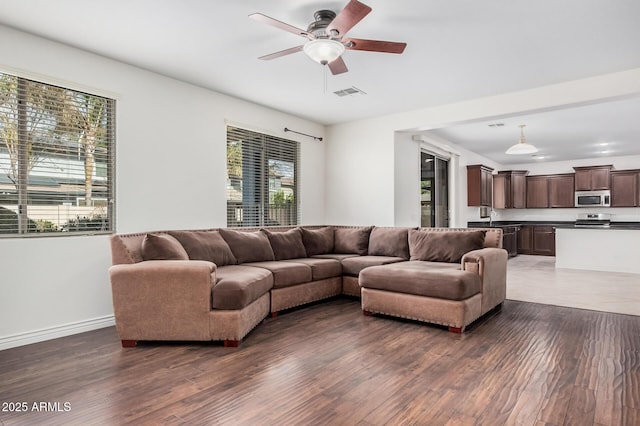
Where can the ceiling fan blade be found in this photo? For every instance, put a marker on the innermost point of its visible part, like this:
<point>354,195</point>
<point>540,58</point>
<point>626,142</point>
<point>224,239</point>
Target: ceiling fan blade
<point>374,45</point>
<point>352,13</point>
<point>279,24</point>
<point>337,66</point>
<point>281,53</point>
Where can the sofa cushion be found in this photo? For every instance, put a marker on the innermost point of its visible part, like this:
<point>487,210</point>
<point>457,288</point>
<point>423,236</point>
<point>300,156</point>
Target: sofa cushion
<point>317,241</point>
<point>237,286</point>
<point>287,244</point>
<point>353,265</point>
<point>162,247</point>
<point>205,245</point>
<point>248,246</point>
<point>337,256</point>
<point>443,246</point>
<point>410,278</point>
<point>285,274</point>
<point>392,242</point>
<point>321,268</point>
<point>351,240</point>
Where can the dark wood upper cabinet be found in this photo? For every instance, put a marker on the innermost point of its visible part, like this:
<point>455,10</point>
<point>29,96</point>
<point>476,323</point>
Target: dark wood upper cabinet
<point>510,189</point>
<point>537,192</point>
<point>561,190</point>
<point>625,191</point>
<point>479,185</point>
<point>593,178</point>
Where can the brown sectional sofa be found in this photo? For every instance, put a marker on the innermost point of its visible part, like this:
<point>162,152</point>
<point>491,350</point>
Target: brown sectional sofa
<point>219,284</point>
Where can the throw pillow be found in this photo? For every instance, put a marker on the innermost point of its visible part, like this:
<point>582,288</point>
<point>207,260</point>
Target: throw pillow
<point>287,244</point>
<point>443,246</point>
<point>162,247</point>
<point>205,245</point>
<point>351,240</point>
<point>248,246</point>
<point>317,241</point>
<point>389,242</point>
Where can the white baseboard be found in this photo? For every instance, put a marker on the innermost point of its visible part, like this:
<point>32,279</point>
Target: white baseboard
<point>55,332</point>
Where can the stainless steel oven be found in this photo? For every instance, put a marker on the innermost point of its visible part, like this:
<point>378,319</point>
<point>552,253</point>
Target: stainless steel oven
<point>593,198</point>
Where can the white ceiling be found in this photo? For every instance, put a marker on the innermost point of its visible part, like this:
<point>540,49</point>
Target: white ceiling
<point>457,50</point>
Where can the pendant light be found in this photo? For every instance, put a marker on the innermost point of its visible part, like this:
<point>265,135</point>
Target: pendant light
<point>522,147</point>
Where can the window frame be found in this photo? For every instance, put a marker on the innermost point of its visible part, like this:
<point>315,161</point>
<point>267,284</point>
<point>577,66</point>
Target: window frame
<point>103,153</point>
<point>268,156</point>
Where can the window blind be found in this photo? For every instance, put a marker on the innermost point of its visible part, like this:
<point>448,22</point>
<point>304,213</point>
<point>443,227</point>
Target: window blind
<point>262,179</point>
<point>56,159</point>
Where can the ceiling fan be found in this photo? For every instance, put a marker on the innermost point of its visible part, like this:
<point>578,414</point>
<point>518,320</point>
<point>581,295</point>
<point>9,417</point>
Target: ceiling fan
<point>326,42</point>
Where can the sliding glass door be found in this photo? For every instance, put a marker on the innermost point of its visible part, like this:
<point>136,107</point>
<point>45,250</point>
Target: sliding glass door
<point>434,194</point>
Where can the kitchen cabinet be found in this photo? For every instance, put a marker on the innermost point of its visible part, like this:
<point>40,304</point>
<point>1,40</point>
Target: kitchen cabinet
<point>625,191</point>
<point>537,240</point>
<point>550,191</point>
<point>479,185</point>
<point>510,189</point>
<point>593,178</point>
<point>561,190</point>
<point>510,240</point>
<point>537,192</point>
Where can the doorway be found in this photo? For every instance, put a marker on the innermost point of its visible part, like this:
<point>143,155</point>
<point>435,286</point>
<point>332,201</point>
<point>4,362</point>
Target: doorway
<point>434,191</point>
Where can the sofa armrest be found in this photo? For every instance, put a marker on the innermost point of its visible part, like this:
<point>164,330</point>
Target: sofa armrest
<point>163,299</point>
<point>491,265</point>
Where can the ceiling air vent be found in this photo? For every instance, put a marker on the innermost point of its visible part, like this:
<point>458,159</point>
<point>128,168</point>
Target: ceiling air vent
<point>349,91</point>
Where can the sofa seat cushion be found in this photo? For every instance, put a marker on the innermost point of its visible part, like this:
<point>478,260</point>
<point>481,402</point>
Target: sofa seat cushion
<point>237,286</point>
<point>353,265</point>
<point>285,274</point>
<point>337,256</point>
<point>321,268</point>
<point>420,280</point>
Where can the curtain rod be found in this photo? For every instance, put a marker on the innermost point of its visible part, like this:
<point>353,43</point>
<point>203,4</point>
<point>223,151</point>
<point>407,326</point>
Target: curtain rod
<point>315,138</point>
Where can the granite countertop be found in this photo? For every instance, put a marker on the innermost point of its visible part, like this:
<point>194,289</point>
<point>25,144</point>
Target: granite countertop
<point>556,224</point>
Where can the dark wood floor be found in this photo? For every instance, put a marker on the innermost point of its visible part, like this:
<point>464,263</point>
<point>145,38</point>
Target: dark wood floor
<point>328,364</point>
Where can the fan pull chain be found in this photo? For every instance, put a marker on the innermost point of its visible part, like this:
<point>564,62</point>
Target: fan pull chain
<point>324,82</point>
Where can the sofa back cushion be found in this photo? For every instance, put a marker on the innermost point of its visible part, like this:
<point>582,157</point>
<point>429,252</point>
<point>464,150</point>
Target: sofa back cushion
<point>162,247</point>
<point>351,240</point>
<point>317,241</point>
<point>248,246</point>
<point>287,244</point>
<point>392,242</point>
<point>443,246</point>
<point>205,245</point>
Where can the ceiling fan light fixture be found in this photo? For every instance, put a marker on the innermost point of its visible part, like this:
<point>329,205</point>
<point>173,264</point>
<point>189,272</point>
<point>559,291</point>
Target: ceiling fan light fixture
<point>323,50</point>
<point>522,147</point>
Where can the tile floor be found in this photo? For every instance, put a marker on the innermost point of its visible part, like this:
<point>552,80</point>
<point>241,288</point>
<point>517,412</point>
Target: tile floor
<point>536,279</point>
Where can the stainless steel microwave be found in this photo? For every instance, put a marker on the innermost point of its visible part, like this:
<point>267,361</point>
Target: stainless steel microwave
<point>593,198</point>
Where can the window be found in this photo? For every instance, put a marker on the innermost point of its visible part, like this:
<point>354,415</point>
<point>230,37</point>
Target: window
<point>434,195</point>
<point>262,183</point>
<point>56,159</point>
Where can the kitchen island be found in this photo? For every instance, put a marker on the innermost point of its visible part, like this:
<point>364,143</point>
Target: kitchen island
<point>615,248</point>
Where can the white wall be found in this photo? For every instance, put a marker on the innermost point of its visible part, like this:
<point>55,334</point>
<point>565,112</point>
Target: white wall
<point>365,181</point>
<point>170,169</point>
